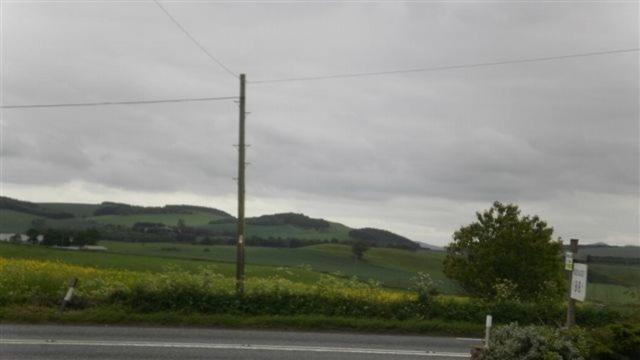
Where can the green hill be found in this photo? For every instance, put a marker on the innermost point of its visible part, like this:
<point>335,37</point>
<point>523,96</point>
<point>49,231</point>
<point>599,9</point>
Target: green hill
<point>12,221</point>
<point>604,250</point>
<point>198,224</point>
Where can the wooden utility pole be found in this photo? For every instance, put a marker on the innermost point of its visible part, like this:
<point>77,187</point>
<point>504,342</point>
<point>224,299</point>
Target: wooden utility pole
<point>241,169</point>
<point>571,303</point>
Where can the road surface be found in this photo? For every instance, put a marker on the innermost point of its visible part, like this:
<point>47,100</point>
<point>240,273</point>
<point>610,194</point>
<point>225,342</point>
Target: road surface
<point>118,342</point>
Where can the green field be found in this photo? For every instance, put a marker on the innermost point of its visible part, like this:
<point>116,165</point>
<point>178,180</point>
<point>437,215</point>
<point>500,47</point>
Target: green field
<point>79,210</point>
<point>392,267</point>
<point>13,221</point>
<point>146,263</point>
<point>335,231</point>
<point>266,261</point>
<point>624,275</point>
<point>193,219</point>
<point>305,263</point>
<point>611,294</point>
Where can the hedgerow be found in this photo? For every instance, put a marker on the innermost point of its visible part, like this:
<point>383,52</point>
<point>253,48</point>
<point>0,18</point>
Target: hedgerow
<point>43,283</point>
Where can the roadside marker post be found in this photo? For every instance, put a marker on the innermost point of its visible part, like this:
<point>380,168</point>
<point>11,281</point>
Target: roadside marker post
<point>69,294</point>
<point>487,330</point>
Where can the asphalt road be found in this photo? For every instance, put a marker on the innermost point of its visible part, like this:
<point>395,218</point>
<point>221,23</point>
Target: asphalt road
<point>115,342</point>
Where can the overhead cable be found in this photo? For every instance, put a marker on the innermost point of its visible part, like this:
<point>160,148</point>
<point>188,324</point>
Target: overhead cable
<point>196,42</point>
<point>109,103</point>
<point>444,67</point>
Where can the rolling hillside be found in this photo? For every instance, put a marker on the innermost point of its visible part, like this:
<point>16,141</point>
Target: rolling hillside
<point>198,224</point>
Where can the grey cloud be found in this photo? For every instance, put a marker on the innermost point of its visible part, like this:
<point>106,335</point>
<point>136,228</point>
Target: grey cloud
<point>532,133</point>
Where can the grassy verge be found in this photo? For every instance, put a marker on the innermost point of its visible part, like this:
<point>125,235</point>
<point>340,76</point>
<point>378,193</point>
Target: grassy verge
<point>122,316</point>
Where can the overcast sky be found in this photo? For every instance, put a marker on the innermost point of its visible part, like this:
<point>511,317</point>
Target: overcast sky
<point>415,153</point>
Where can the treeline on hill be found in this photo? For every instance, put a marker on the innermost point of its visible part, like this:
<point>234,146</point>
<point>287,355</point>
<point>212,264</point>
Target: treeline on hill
<point>31,208</point>
<point>383,238</point>
<point>105,208</point>
<point>299,220</point>
<point>157,232</point>
<point>64,237</point>
<point>112,208</point>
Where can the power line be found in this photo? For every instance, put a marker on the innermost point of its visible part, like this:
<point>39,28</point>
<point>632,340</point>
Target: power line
<point>446,67</point>
<point>227,69</point>
<point>108,103</point>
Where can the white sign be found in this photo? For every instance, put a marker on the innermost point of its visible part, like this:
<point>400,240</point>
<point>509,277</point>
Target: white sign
<point>579,282</point>
<point>568,261</point>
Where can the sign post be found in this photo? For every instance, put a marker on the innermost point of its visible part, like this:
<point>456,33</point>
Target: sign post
<point>579,282</point>
<point>570,268</point>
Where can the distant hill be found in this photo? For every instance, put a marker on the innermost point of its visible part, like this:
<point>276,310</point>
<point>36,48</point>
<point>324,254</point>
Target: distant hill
<point>293,219</point>
<point>32,209</point>
<point>187,223</point>
<point>111,208</point>
<point>383,238</point>
<point>604,250</point>
<point>430,247</point>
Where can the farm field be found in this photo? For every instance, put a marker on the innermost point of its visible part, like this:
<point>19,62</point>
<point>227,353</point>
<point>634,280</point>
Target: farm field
<point>334,231</point>
<point>611,294</point>
<point>146,263</point>
<point>193,219</point>
<point>391,267</point>
<point>14,221</point>
<point>32,289</point>
<point>301,263</point>
<point>80,210</point>
<point>625,275</point>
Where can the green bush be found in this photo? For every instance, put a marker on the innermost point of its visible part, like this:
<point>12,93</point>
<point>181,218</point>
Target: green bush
<point>535,342</point>
<point>616,342</point>
<point>425,286</point>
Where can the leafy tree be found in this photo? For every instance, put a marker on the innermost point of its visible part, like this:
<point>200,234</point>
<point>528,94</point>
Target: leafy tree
<point>358,248</point>
<point>503,247</point>
<point>16,238</point>
<point>33,235</point>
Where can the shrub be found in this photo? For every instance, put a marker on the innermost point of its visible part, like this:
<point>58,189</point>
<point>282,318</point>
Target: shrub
<point>425,286</point>
<point>534,342</point>
<point>616,342</point>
